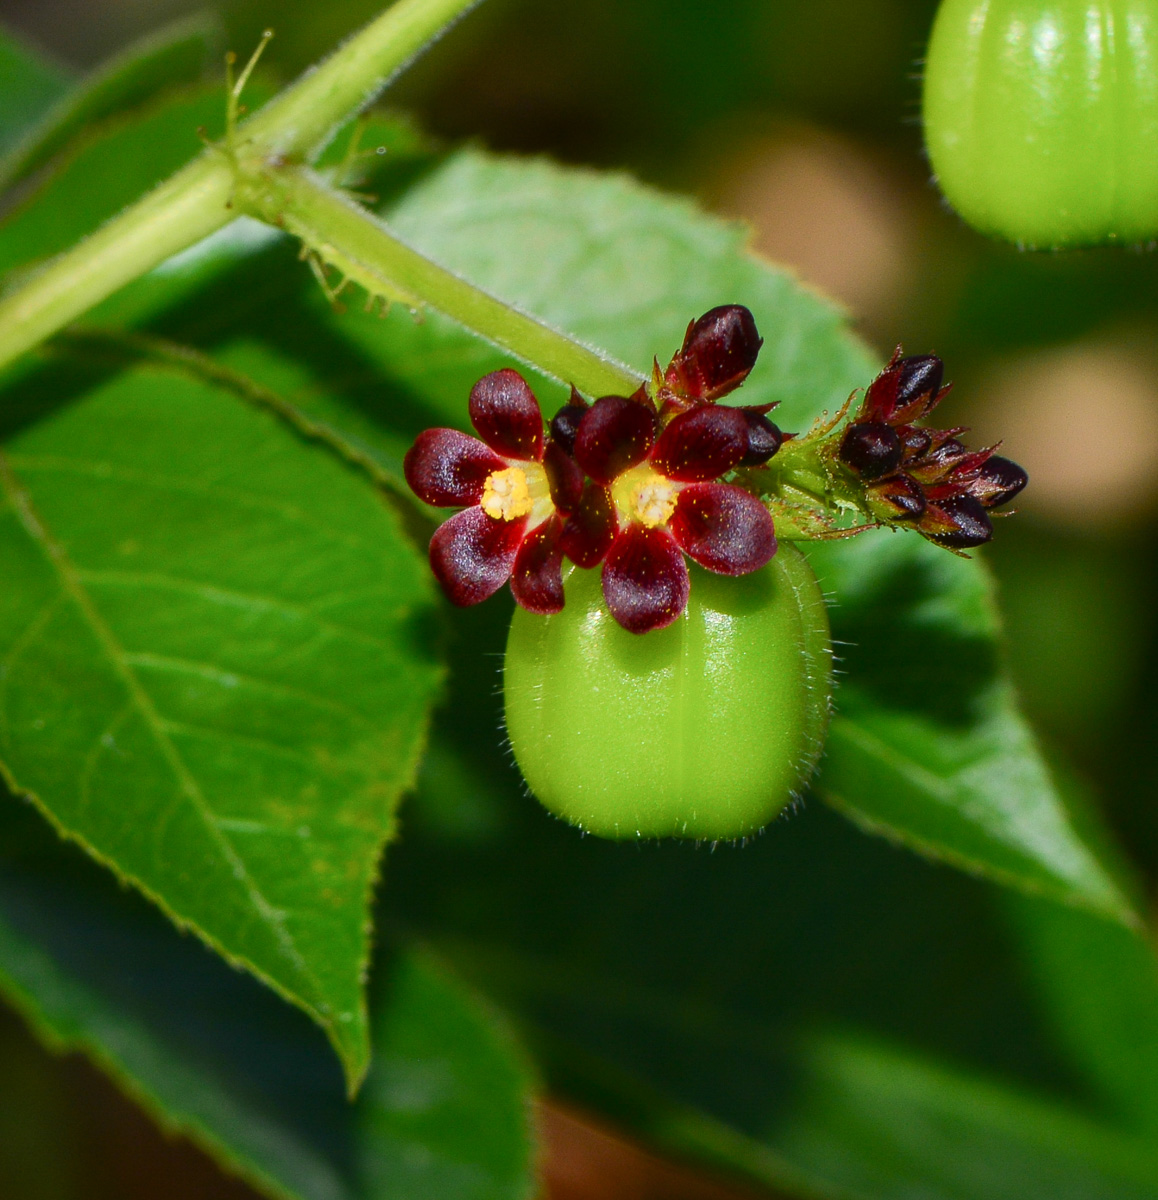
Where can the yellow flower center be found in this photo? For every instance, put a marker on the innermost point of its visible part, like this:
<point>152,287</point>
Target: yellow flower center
<point>517,492</point>
<point>644,495</point>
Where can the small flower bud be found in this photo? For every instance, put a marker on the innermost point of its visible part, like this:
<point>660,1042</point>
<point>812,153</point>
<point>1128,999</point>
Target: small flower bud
<point>719,351</point>
<point>764,439</point>
<point>565,425</point>
<point>899,498</point>
<point>920,375</point>
<point>969,520</point>
<point>916,441</point>
<point>871,449</point>
<point>998,481</point>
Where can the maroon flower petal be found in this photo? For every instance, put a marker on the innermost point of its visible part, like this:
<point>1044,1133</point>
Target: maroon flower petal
<point>591,528</point>
<point>615,434</point>
<point>702,444</point>
<point>645,579</point>
<point>537,576</point>
<point>472,554</point>
<point>723,528</point>
<point>505,412</point>
<point>448,468</point>
<point>565,477</point>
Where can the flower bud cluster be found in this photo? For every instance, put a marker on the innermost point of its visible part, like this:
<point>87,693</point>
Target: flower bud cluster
<point>924,478</point>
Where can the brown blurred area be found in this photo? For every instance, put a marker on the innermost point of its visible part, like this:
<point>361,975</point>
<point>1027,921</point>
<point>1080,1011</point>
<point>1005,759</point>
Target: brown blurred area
<point>67,1133</point>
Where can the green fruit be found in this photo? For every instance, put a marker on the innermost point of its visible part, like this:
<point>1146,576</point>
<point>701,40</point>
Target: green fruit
<point>1041,117</point>
<point>704,729</point>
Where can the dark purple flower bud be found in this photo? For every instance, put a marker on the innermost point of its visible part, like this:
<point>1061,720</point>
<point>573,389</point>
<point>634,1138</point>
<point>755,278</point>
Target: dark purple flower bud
<point>764,439</point>
<point>900,498</point>
<point>565,425</point>
<point>920,375</point>
<point>719,351</point>
<point>998,481</point>
<point>872,449</point>
<point>969,522</point>
<point>916,441</point>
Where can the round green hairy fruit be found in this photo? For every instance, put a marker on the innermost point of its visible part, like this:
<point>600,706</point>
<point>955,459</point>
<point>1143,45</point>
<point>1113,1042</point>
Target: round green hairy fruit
<point>1041,117</point>
<point>704,729</point>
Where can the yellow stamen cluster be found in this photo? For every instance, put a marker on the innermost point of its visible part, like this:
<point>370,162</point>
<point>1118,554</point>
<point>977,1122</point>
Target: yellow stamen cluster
<point>644,495</point>
<point>507,495</point>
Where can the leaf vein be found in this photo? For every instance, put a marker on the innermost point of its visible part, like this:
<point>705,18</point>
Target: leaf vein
<point>219,595</point>
<point>28,637</point>
<point>229,679</point>
<point>46,464</point>
<point>193,729</point>
<point>189,788</point>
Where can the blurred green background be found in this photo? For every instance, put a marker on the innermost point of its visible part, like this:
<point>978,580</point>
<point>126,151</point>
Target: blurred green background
<point>800,117</point>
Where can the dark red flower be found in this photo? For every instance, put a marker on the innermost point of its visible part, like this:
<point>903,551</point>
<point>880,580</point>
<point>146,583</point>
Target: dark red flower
<point>512,486</point>
<point>653,496</point>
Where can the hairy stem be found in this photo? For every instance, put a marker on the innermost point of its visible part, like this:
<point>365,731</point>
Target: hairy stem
<point>342,234</point>
<point>196,201</point>
<point>188,207</point>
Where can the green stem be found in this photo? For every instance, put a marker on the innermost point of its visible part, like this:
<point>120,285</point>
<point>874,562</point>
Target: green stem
<point>196,201</point>
<point>191,205</point>
<point>344,235</point>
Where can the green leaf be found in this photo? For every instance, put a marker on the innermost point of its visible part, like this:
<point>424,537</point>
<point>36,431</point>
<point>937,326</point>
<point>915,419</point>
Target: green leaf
<point>215,666</point>
<point>211,1054</point>
<point>873,1121</point>
<point>28,86</point>
<point>1099,987</point>
<point>933,751</point>
<point>928,746</point>
<point>170,57</point>
<point>827,1015</point>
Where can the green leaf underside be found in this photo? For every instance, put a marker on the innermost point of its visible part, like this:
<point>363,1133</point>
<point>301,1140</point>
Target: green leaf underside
<point>443,1113</point>
<point>214,670</point>
<point>941,759</point>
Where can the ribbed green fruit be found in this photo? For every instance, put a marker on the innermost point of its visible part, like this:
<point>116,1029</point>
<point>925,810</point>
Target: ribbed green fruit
<point>1041,118</point>
<point>705,729</point>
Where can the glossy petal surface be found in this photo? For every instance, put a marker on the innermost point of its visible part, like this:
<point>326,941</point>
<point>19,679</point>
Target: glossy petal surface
<point>645,579</point>
<point>448,469</point>
<point>472,555</point>
<point>537,576</point>
<point>505,412</point>
<point>702,444</point>
<point>723,528</point>
<point>615,435</point>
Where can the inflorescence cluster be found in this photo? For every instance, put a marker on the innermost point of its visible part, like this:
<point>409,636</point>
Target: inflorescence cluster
<point>635,483</point>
